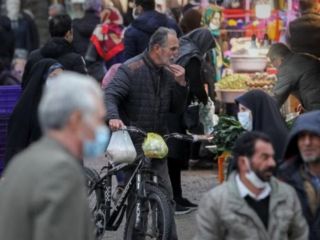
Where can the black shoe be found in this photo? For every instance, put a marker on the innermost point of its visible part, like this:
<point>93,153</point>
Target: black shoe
<point>181,210</point>
<point>186,203</point>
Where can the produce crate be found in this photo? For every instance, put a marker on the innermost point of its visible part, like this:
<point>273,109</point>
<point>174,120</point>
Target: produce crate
<point>229,95</point>
<point>9,96</point>
<point>4,120</point>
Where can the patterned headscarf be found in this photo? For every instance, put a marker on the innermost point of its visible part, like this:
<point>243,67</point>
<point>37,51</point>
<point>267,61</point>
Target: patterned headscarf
<point>208,15</point>
<point>107,37</point>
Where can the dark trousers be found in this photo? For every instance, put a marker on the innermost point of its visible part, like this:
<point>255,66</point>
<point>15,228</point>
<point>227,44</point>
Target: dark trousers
<point>175,176</point>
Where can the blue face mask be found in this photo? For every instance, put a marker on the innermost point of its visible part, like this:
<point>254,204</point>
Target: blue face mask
<point>245,120</point>
<point>96,147</point>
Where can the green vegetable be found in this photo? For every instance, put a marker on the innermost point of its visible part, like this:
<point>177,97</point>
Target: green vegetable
<point>225,133</point>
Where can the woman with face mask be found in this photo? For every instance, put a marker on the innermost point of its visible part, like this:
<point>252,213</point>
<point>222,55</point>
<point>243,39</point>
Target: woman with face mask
<point>211,19</point>
<point>259,112</point>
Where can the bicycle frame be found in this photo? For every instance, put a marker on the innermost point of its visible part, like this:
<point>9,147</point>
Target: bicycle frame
<point>114,216</point>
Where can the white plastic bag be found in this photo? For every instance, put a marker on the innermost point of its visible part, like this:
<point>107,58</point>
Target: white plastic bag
<point>121,148</point>
<point>207,116</point>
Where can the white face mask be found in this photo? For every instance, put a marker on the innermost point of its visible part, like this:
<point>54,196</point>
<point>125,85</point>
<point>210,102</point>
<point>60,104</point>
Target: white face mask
<point>254,179</point>
<point>245,120</point>
<point>213,26</point>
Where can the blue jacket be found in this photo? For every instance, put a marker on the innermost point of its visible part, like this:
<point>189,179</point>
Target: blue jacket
<point>137,35</point>
<point>290,170</point>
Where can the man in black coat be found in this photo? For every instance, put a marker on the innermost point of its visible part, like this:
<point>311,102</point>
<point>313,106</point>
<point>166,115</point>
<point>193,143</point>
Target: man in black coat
<point>301,167</point>
<point>298,74</point>
<point>303,35</point>
<point>144,91</point>
<point>148,20</point>
<point>59,47</point>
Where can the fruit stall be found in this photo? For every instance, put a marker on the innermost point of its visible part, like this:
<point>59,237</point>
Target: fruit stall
<point>248,70</point>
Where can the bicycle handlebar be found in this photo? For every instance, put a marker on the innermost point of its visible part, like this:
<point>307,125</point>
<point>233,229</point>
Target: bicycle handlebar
<point>184,137</point>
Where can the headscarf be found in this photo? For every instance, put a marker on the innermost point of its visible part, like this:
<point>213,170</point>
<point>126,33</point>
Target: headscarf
<point>23,126</point>
<point>266,118</point>
<point>108,36</point>
<point>217,55</point>
<point>207,17</point>
<point>195,44</point>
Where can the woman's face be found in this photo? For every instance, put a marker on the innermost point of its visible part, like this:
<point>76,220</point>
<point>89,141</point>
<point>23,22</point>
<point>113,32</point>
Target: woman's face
<point>245,117</point>
<point>215,21</point>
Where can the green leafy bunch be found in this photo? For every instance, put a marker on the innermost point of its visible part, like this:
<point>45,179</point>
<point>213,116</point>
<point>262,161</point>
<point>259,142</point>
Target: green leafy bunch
<point>225,133</point>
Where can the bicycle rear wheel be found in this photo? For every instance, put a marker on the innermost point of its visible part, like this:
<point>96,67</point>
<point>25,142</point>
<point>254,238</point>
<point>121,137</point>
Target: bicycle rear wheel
<point>156,220</point>
<point>95,197</point>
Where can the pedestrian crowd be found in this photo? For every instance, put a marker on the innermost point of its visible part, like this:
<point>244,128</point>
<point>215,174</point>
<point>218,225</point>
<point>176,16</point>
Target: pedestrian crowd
<point>155,68</point>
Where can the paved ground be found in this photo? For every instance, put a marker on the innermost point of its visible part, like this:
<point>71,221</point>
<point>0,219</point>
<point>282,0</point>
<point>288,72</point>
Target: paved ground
<point>194,184</point>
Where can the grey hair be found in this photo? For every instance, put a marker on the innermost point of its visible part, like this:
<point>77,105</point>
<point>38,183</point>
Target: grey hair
<point>160,37</point>
<point>67,93</point>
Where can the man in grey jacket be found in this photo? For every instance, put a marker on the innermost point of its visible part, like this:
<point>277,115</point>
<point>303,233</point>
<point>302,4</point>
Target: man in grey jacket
<point>43,193</point>
<point>252,204</point>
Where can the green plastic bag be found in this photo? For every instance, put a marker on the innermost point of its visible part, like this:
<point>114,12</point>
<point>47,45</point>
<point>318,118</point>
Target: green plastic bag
<point>154,146</point>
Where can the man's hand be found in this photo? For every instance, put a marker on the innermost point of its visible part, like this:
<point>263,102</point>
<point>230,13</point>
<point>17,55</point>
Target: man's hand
<point>116,124</point>
<point>179,74</point>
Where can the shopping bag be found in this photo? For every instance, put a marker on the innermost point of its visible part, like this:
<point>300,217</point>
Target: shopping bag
<point>191,116</point>
<point>121,148</point>
<point>207,116</point>
<point>154,146</point>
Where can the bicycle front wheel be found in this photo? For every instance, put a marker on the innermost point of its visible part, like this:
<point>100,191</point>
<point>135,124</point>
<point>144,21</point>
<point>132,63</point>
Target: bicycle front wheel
<point>156,217</point>
<point>95,196</point>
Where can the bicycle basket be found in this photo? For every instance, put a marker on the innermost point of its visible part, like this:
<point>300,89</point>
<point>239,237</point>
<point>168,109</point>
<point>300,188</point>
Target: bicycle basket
<point>154,146</point>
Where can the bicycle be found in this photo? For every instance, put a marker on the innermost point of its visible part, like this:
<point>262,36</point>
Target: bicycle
<point>151,215</point>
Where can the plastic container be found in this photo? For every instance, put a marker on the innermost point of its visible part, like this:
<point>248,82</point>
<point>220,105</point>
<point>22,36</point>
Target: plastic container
<point>248,63</point>
<point>4,120</point>
<point>9,96</point>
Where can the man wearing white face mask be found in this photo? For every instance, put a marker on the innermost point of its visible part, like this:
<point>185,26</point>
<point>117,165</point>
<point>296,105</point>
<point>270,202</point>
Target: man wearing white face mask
<point>44,184</point>
<point>251,204</point>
